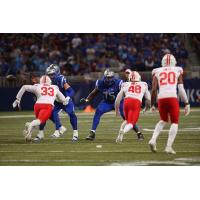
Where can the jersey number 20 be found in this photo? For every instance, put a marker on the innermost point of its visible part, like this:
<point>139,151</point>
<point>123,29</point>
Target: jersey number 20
<point>135,89</point>
<point>47,91</point>
<point>167,78</point>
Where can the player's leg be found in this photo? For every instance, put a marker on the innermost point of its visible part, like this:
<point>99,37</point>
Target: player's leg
<point>135,128</point>
<point>174,116</point>
<point>133,114</point>
<point>162,107</point>
<point>69,109</point>
<point>102,108</point>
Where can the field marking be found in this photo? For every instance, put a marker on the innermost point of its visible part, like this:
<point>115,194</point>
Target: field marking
<point>94,151</point>
<point>84,114</point>
<point>197,129</point>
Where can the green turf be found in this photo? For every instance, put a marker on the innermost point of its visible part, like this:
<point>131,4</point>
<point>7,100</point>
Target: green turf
<point>14,150</point>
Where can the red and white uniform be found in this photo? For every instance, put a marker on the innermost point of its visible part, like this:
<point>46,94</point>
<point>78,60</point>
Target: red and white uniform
<point>46,95</point>
<point>167,96</point>
<point>133,93</point>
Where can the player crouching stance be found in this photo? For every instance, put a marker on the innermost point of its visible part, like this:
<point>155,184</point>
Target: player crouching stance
<point>165,79</point>
<point>133,91</point>
<point>46,95</point>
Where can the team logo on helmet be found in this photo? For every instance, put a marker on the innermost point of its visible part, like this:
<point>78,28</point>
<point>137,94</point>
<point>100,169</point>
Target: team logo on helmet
<point>168,60</point>
<point>45,80</point>
<point>134,76</point>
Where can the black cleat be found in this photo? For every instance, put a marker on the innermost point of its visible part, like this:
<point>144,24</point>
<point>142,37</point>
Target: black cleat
<point>91,136</point>
<point>140,136</point>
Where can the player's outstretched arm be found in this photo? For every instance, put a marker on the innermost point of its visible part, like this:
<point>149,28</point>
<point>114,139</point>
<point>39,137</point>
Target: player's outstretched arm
<point>28,88</point>
<point>118,100</point>
<point>90,96</point>
<point>183,95</point>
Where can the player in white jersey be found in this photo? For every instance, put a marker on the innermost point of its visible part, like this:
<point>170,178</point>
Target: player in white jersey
<point>133,92</point>
<point>46,95</point>
<point>166,79</point>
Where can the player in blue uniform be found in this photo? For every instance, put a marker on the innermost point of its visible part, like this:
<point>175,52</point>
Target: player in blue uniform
<point>109,87</point>
<point>58,79</point>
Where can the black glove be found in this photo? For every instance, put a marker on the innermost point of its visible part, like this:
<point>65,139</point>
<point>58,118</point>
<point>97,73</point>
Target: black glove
<point>83,100</point>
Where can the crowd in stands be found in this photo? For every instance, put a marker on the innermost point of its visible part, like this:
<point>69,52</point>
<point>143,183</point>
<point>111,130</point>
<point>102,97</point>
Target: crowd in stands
<point>79,54</point>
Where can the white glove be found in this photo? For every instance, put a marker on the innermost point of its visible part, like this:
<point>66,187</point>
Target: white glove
<point>66,101</point>
<point>187,110</point>
<point>16,103</point>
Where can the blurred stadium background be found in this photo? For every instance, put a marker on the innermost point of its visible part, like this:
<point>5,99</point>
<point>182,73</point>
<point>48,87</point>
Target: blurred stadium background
<point>83,58</point>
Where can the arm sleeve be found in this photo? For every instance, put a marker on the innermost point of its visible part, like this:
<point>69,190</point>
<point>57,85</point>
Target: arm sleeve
<point>147,94</point>
<point>118,99</point>
<point>182,93</point>
<point>61,97</point>
<point>28,88</point>
<point>69,92</point>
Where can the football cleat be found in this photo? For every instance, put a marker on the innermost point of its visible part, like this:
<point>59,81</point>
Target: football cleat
<point>169,150</point>
<point>29,133</point>
<point>119,137</point>
<point>56,134</point>
<point>140,136</point>
<point>37,139</point>
<point>75,136</point>
<point>153,147</point>
<point>25,131</point>
<point>91,136</point>
<point>62,130</point>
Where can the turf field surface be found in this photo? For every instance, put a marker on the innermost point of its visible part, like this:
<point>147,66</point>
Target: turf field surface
<point>103,151</point>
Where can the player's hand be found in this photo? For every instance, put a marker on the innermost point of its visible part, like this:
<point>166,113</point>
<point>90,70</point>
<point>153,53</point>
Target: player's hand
<point>83,100</point>
<point>16,103</point>
<point>66,101</point>
<point>187,110</point>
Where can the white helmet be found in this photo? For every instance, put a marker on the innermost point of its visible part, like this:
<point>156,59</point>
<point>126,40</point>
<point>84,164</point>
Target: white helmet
<point>108,73</point>
<point>168,60</point>
<point>134,76</point>
<point>45,79</point>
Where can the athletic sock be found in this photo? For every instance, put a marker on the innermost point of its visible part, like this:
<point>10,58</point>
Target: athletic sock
<point>127,128</point>
<point>122,126</point>
<point>35,122</point>
<point>172,134</point>
<point>40,134</point>
<point>159,126</point>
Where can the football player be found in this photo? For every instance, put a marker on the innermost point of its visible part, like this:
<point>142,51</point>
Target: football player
<point>132,92</point>
<point>166,79</point>
<point>46,95</point>
<point>53,71</point>
<point>109,86</point>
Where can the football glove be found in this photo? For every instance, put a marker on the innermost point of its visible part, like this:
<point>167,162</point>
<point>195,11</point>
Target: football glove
<point>66,101</point>
<point>83,100</point>
<point>16,103</point>
<point>187,110</point>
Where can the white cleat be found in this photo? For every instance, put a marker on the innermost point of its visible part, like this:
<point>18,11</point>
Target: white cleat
<point>119,138</point>
<point>62,130</point>
<point>56,134</point>
<point>152,147</point>
<point>75,136</point>
<point>25,131</point>
<point>169,150</point>
<point>29,133</point>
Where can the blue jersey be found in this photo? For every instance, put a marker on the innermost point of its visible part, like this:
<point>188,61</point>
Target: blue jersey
<point>60,80</point>
<point>109,91</point>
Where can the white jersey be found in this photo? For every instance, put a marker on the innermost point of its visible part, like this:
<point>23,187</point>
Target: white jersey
<point>45,93</point>
<point>167,80</point>
<point>135,90</point>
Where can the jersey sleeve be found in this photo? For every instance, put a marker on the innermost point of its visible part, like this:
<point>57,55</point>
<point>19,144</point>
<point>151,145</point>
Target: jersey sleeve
<point>153,72</point>
<point>25,88</point>
<point>180,70</point>
<point>60,97</point>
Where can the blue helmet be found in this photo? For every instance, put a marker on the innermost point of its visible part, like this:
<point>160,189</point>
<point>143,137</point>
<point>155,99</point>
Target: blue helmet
<point>53,70</point>
<point>108,77</point>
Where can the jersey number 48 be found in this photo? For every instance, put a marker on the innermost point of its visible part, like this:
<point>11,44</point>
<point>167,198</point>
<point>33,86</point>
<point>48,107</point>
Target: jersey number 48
<point>135,89</point>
